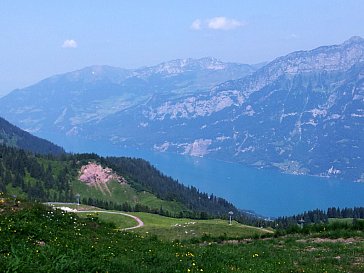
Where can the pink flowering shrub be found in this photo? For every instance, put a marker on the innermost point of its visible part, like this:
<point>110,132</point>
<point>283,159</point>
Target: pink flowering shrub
<point>93,173</point>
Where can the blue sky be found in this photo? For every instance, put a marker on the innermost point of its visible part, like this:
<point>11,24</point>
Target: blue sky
<point>42,38</point>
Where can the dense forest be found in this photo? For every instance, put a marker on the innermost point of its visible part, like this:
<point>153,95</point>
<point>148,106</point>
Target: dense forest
<point>33,175</point>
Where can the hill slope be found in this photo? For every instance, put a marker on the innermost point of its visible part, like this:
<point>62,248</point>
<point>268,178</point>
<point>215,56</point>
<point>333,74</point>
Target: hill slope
<point>13,136</point>
<point>122,183</point>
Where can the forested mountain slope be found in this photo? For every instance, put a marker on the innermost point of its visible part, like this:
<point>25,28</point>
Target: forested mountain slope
<point>13,136</point>
<point>121,183</point>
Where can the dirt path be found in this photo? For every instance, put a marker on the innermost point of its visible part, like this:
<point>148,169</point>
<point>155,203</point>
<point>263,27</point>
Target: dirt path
<point>140,222</point>
<point>137,219</point>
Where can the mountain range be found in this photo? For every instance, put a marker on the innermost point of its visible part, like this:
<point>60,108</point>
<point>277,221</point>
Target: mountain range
<point>301,113</point>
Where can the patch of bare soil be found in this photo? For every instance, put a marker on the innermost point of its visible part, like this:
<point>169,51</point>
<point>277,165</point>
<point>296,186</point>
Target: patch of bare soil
<point>328,240</point>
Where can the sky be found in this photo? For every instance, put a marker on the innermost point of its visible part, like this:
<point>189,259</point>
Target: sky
<point>41,38</point>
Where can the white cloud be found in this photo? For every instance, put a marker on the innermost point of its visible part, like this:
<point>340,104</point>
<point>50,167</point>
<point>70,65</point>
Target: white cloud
<point>69,44</point>
<point>217,23</point>
<point>196,25</point>
<point>223,23</point>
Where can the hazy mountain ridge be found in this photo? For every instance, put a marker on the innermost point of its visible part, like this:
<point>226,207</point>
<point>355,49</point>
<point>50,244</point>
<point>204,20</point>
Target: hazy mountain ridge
<point>301,113</point>
<point>64,102</point>
<point>235,92</point>
<point>325,58</point>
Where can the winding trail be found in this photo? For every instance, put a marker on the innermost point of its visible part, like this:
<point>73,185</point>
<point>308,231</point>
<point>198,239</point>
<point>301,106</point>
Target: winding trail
<point>137,219</point>
<point>140,222</point>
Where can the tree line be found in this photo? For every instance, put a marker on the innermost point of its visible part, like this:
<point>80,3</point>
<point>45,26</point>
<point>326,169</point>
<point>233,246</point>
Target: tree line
<point>23,170</point>
<point>319,216</point>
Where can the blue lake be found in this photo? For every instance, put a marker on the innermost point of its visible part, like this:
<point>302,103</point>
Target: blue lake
<point>265,191</point>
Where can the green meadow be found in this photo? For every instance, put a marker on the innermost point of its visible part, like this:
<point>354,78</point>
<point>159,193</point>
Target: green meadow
<point>37,238</point>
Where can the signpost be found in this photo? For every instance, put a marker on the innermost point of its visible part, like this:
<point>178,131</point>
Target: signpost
<point>301,222</point>
<point>230,215</point>
<point>78,198</point>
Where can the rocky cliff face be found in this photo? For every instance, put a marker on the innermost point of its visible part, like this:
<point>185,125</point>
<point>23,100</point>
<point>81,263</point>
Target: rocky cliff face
<point>302,113</point>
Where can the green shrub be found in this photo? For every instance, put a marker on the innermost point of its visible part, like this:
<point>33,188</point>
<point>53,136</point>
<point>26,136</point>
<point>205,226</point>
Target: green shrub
<point>358,224</point>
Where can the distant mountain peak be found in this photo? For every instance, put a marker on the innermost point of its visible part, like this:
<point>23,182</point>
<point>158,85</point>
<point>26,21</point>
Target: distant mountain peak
<point>354,39</point>
<point>324,58</point>
<point>182,65</point>
<point>95,73</point>
<point>329,58</point>
<point>113,74</point>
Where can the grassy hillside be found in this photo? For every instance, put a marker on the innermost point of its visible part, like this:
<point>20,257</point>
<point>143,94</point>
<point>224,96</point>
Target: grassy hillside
<point>168,228</point>
<point>35,238</point>
<point>186,229</point>
<point>121,193</point>
<point>121,221</point>
<point>182,229</point>
<point>57,179</point>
